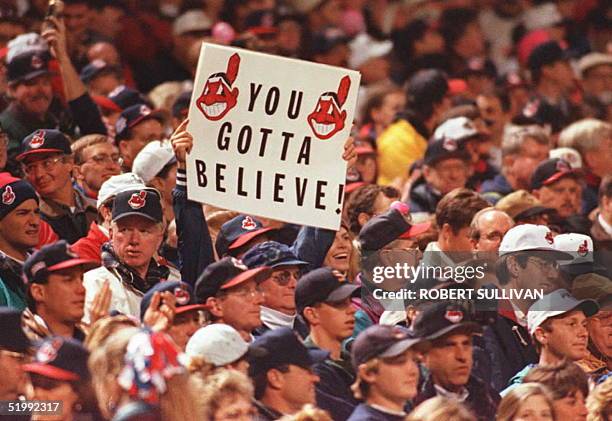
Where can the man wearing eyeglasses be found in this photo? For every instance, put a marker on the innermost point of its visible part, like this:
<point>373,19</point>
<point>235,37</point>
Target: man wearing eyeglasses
<point>13,348</point>
<point>95,161</point>
<point>47,162</point>
<point>278,308</point>
<point>488,227</point>
<point>233,295</point>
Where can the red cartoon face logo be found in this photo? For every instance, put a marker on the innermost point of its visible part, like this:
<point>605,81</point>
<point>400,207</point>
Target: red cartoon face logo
<point>328,118</point>
<point>248,223</point>
<point>37,140</point>
<point>138,200</point>
<point>37,62</point>
<point>549,237</point>
<point>454,316</point>
<point>8,197</point>
<point>449,144</point>
<point>218,97</point>
<point>583,248</point>
<point>181,295</point>
<point>48,351</point>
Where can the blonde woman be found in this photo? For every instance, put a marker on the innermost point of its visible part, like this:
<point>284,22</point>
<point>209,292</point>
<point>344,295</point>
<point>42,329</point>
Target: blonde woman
<point>599,402</point>
<point>136,376</point>
<point>528,401</point>
<point>227,396</point>
<point>441,409</point>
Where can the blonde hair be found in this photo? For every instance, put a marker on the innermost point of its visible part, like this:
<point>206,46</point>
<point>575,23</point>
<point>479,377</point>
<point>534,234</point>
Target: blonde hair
<point>100,331</point>
<point>599,402</point>
<point>178,403</point>
<point>222,384</point>
<point>308,413</point>
<point>441,409</point>
<point>85,142</point>
<point>511,403</point>
<point>585,135</point>
<point>360,388</point>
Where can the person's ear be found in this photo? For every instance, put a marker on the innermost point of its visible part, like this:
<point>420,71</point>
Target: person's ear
<point>363,218</point>
<point>368,375</point>
<point>446,231</point>
<point>311,315</point>
<point>156,183</point>
<point>214,306</point>
<point>513,266</point>
<point>37,291</point>
<point>541,335</point>
<point>77,173</point>
<point>275,379</point>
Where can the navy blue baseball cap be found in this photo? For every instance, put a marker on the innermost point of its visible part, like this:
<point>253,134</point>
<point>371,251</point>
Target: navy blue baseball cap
<point>278,347</point>
<point>98,68</point>
<point>145,203</point>
<point>27,66</point>
<point>271,254</point>
<point>44,141</point>
<point>132,116</point>
<point>551,170</point>
<point>125,97</point>
<point>183,293</point>
<point>224,274</point>
<point>544,54</point>
<point>443,149</point>
<point>13,338</point>
<point>382,341</point>
<point>321,286</point>
<point>51,258</point>
<point>180,107</point>
<point>441,318</point>
<point>60,358</point>
<point>237,232</point>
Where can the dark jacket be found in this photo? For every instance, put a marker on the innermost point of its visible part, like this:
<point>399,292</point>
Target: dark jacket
<point>423,198</point>
<point>483,171</point>
<point>495,189</point>
<point>509,346</point>
<point>265,413</point>
<point>482,400</point>
<point>364,412</point>
<point>69,225</point>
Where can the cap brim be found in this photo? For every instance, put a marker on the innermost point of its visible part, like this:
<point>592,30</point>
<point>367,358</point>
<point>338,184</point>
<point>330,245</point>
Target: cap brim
<point>51,372</point>
<point>144,215</point>
<point>86,263</point>
<point>259,274</point>
<point>558,255</point>
<point>536,210</point>
<point>583,268</point>
<point>107,103</point>
<point>190,307</point>
<point>246,237</point>
<point>33,75</point>
<point>289,263</point>
<point>342,293</point>
<point>351,187</point>
<point>37,151</point>
<point>416,229</point>
<point>471,327</point>
<point>589,307</point>
<point>401,347</point>
<point>155,114</point>
<point>575,173</point>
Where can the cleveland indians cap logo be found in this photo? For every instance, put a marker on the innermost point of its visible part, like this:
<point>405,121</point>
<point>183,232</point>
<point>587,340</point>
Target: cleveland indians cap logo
<point>218,97</point>
<point>36,62</point>
<point>48,351</point>
<point>181,295</point>
<point>8,196</point>
<point>454,316</point>
<point>328,117</point>
<point>248,223</point>
<point>449,144</point>
<point>549,237</point>
<point>138,200</point>
<point>38,139</point>
<point>583,248</point>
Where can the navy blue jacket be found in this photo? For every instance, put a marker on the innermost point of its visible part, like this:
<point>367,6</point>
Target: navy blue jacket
<point>423,198</point>
<point>495,189</point>
<point>364,412</point>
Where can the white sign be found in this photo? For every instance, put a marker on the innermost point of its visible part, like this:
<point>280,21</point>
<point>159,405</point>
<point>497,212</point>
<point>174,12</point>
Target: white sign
<point>269,134</point>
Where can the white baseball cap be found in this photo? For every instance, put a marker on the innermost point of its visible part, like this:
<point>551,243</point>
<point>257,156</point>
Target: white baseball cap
<point>554,304</point>
<point>364,48</point>
<point>152,159</point>
<point>219,344</point>
<point>530,237</point>
<point>191,21</point>
<point>458,129</point>
<point>570,155</point>
<point>579,246</point>
<point>117,184</point>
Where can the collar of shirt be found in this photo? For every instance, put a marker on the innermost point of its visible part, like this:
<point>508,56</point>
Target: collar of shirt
<point>461,396</point>
<point>521,317</point>
<point>387,410</point>
<point>604,224</point>
<point>275,319</point>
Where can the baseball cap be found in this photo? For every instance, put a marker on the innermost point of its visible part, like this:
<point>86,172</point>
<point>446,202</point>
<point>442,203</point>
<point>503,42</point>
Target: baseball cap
<point>60,358</point>
<point>144,202</point>
<point>430,85</point>
<point>219,344</point>
<point>27,66</point>
<point>278,347</point>
<point>321,286</point>
<point>364,47</point>
<point>580,247</point>
<point>325,41</point>
<point>125,97</point>
<point>117,184</point>
<point>443,149</point>
<point>152,159</point>
<point>180,107</point>
<point>521,204</point>
<point>97,68</point>
<point>271,254</point>
<point>224,274</point>
<point>382,341</point>
<point>557,303</point>
<point>458,129</point>
<point>551,170</point>
<point>416,229</point>
<point>544,54</point>
<point>106,104</point>
<point>260,22</point>
<point>133,115</point>
<point>44,141</point>
<point>185,299</point>
<point>569,155</point>
<point>593,60</point>
<point>237,232</point>
<point>593,286</point>
<point>441,318</point>
<point>13,192</point>
<point>542,16</point>
<point>51,258</point>
<point>13,338</point>
<point>530,237</point>
<point>191,21</point>
<point>28,43</point>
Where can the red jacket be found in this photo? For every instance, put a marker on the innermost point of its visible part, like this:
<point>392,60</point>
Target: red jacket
<point>89,247</point>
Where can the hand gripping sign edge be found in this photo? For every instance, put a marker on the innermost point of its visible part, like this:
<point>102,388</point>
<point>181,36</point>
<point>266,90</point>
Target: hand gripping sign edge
<point>218,97</point>
<point>328,118</point>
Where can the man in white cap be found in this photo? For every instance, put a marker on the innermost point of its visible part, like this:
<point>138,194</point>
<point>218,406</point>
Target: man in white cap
<point>580,247</point>
<point>527,262</point>
<point>558,325</point>
<point>596,76</point>
<point>219,345</point>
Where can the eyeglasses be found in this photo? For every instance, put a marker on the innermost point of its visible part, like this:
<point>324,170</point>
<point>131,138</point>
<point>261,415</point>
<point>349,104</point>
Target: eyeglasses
<point>104,159</point>
<point>45,164</point>
<point>544,264</point>
<point>244,293</point>
<point>283,278</point>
